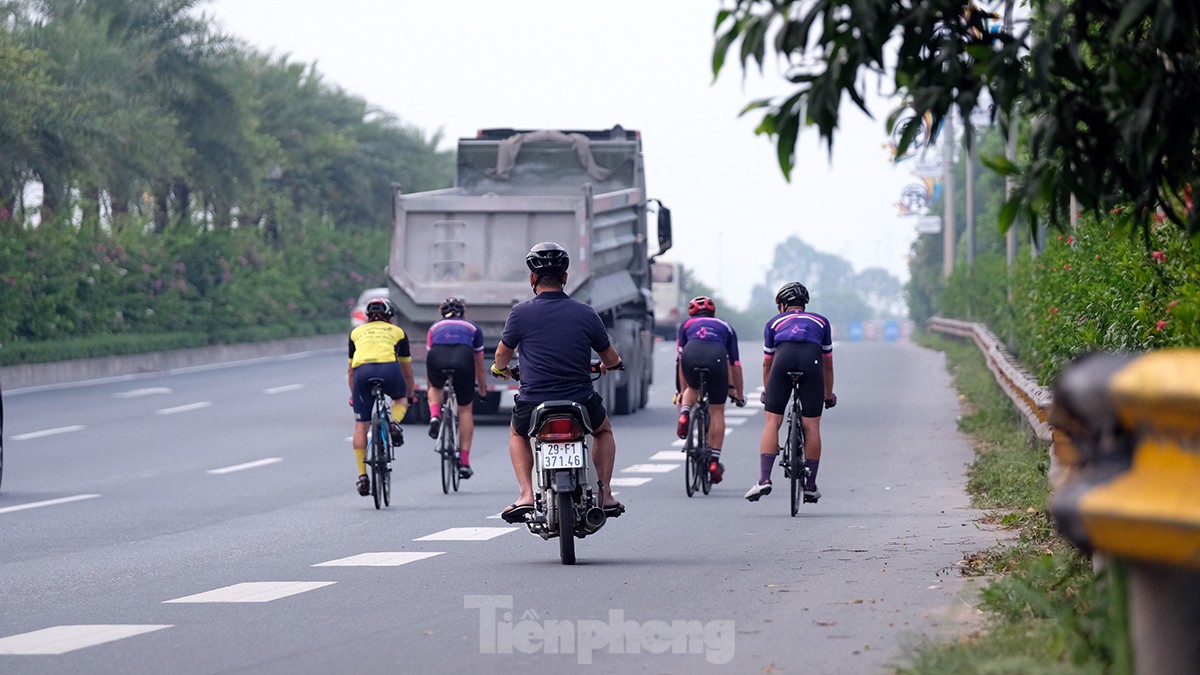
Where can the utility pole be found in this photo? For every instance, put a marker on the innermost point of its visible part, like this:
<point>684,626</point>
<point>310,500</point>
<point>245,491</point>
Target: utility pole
<point>946,138</point>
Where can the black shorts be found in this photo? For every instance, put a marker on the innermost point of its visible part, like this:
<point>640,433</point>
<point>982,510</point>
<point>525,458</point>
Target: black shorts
<point>711,355</point>
<point>522,411</point>
<point>805,357</point>
<point>459,358</point>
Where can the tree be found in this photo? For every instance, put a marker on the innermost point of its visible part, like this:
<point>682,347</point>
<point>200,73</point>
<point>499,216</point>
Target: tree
<point>1112,88</point>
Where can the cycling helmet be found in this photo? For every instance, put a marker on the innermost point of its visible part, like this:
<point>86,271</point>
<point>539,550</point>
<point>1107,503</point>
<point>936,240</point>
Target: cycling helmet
<point>702,305</point>
<point>451,307</point>
<point>380,309</point>
<point>547,258</point>
<point>792,294</point>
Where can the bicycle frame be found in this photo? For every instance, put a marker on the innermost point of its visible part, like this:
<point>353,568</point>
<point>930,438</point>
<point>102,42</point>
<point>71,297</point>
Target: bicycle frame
<point>382,452</point>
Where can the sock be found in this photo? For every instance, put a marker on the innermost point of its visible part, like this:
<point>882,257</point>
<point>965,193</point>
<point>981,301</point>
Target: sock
<point>685,409</point>
<point>360,455</point>
<point>435,409</point>
<point>465,455</point>
<point>399,410</point>
<point>716,454</point>
<point>765,464</point>
<point>811,465</point>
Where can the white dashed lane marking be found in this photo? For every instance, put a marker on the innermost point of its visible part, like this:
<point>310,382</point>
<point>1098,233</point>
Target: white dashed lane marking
<point>248,465</point>
<point>650,468</point>
<point>145,391</point>
<point>48,432</point>
<point>184,408</point>
<point>48,502</point>
<point>668,456</point>
<point>381,559</point>
<point>63,639</point>
<point>630,481</point>
<point>467,534</point>
<point>280,390</point>
<point>254,591</point>
<point>741,412</point>
<point>735,421</point>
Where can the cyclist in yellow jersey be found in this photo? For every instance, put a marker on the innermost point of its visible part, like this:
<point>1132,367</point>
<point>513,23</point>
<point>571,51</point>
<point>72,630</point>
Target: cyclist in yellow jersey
<point>380,349</point>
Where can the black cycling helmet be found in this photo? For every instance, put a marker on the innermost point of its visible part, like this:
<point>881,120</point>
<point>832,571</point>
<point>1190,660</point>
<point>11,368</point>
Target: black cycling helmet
<point>792,294</point>
<point>452,307</point>
<point>547,258</point>
<point>380,309</point>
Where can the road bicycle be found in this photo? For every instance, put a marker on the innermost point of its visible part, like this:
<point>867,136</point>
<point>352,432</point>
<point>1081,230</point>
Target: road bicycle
<point>699,454</point>
<point>447,444</point>
<point>792,456</point>
<point>381,449</point>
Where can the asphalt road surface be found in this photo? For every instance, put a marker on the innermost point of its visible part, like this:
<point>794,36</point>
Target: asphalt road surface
<point>206,522</point>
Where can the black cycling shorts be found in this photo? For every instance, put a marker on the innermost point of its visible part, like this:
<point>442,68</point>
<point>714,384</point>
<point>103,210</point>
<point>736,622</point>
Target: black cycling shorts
<point>523,411</point>
<point>805,357</point>
<point>711,355</point>
<point>461,359</point>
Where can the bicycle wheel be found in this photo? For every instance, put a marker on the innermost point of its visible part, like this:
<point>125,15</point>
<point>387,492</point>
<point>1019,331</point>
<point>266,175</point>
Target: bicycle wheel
<point>385,471</point>
<point>795,462</point>
<point>373,460</point>
<point>566,528</point>
<point>705,457</point>
<point>689,466</point>
<point>698,433</point>
<point>455,460</point>
<point>447,458</point>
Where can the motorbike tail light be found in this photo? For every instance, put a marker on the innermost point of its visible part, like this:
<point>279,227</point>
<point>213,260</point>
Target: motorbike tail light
<point>560,429</point>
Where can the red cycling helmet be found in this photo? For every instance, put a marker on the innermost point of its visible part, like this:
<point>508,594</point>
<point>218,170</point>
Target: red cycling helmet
<point>703,305</point>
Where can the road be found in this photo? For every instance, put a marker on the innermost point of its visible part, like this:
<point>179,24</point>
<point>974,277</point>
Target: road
<point>206,522</point>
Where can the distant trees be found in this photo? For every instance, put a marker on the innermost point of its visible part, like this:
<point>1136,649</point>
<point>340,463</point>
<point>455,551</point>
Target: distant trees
<point>140,107</point>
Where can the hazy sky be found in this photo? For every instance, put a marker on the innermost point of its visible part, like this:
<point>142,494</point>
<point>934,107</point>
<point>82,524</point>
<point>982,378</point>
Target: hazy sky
<point>460,65</point>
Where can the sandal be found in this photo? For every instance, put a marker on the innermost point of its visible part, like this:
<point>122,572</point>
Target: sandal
<point>515,513</point>
<point>614,510</point>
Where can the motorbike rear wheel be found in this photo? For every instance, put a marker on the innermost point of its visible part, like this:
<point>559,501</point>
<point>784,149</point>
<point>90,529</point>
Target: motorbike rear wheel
<point>566,528</point>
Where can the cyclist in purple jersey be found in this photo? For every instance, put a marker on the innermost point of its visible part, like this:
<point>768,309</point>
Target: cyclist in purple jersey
<point>455,343</point>
<point>556,336</point>
<point>794,340</point>
<point>704,341</point>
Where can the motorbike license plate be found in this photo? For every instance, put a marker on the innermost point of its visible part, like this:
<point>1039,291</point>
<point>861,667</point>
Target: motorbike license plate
<point>562,455</point>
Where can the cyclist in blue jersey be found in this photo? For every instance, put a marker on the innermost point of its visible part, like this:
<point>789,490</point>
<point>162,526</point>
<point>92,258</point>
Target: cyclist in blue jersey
<point>794,340</point>
<point>704,341</point>
<point>556,336</point>
<point>455,343</point>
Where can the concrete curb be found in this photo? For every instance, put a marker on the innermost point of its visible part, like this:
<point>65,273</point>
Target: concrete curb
<point>80,370</point>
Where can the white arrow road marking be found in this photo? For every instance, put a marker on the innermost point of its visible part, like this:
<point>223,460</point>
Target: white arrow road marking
<point>48,432</point>
<point>184,408</point>
<point>280,390</point>
<point>63,639</point>
<point>254,591</point>
<point>48,502</point>
<point>650,468</point>
<point>467,534</point>
<point>248,465</point>
<point>381,559</point>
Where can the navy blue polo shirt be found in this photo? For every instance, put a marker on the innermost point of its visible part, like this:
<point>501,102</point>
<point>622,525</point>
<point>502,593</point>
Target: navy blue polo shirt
<point>556,337</point>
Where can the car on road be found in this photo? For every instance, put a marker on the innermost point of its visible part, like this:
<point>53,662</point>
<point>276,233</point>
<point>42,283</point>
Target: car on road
<point>358,316</point>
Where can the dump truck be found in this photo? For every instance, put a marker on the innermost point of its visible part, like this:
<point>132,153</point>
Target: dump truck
<point>514,188</point>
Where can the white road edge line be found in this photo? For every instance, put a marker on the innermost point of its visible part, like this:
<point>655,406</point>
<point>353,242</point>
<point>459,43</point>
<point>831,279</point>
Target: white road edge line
<point>248,465</point>
<point>183,408</point>
<point>48,502</point>
<point>48,432</point>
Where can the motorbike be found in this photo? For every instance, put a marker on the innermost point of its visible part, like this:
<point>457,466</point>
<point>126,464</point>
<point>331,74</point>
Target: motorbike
<point>565,504</point>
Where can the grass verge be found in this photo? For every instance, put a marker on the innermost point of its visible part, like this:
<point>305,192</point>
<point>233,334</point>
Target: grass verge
<point>1047,611</point>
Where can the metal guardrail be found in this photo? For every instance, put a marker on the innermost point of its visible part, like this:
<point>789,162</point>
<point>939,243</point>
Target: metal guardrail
<point>1031,399</point>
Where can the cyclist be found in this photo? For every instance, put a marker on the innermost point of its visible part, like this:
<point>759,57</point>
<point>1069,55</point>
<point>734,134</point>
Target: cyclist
<point>454,342</point>
<point>704,341</point>
<point>380,349</point>
<point>794,340</point>
<point>556,336</point>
